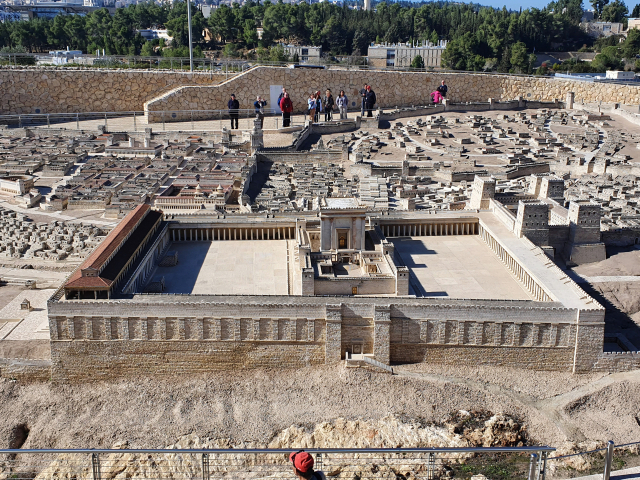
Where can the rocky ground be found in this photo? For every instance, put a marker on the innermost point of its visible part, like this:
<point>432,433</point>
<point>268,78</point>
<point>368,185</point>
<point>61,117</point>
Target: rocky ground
<point>330,406</point>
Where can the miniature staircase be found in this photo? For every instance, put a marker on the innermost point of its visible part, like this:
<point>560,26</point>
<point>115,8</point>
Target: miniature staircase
<point>361,360</point>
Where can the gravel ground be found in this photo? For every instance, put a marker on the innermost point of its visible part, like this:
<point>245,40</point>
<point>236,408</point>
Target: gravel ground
<point>254,406</point>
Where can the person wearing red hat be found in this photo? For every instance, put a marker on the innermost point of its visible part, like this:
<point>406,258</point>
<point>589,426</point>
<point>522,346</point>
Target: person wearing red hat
<point>303,466</point>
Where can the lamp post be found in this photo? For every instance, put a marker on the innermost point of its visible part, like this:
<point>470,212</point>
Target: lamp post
<point>190,40</point>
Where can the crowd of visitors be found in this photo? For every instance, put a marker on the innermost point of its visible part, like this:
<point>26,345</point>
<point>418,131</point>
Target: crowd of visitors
<point>318,104</point>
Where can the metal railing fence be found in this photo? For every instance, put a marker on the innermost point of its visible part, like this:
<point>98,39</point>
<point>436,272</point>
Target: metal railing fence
<point>212,464</point>
<point>605,457</point>
<point>207,65</point>
<point>161,120</point>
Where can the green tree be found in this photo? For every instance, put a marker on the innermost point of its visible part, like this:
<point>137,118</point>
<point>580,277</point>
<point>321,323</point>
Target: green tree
<point>598,6</point>
<point>417,62</point>
<point>631,46</point>
<point>636,11</point>
<point>148,49</point>
<point>434,37</point>
<point>519,58</point>
<point>615,11</point>
<point>250,33</point>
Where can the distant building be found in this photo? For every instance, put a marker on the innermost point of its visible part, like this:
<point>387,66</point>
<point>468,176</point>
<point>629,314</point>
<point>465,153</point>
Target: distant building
<point>402,54</point>
<point>307,54</point>
<point>620,75</point>
<point>154,34</point>
<point>599,29</point>
<point>60,57</point>
<point>633,23</point>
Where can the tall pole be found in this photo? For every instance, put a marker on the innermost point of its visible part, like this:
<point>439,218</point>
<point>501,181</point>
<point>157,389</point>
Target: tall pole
<point>190,40</point>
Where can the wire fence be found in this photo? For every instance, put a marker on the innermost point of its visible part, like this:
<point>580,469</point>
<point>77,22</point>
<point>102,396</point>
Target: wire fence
<point>204,464</point>
<point>167,120</point>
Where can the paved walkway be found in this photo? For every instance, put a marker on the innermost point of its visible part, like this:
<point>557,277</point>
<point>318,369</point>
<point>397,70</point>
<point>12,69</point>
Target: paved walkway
<point>625,474</point>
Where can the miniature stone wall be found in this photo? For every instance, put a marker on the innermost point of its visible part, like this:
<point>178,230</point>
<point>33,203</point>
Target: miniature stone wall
<point>60,91</point>
<point>171,335</point>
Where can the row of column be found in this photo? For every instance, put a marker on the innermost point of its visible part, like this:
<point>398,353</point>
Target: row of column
<point>189,328</point>
<point>145,269</point>
<point>461,332</point>
<point>231,233</point>
<point>430,229</point>
<point>527,280</point>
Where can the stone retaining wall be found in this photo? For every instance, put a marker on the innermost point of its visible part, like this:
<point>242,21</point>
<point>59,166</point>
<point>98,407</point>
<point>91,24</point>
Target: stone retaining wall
<point>61,91</point>
<point>392,88</point>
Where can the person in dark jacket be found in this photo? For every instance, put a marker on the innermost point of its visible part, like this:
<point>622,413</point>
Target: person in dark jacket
<point>234,106</point>
<point>328,104</point>
<point>286,105</point>
<point>363,95</point>
<point>258,108</point>
<point>281,96</point>
<point>443,89</point>
<point>370,100</point>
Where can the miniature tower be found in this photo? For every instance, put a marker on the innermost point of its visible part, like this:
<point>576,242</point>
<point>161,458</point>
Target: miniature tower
<point>484,188</point>
<point>532,221</point>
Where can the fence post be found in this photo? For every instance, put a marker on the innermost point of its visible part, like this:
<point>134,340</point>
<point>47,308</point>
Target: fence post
<point>532,467</point>
<point>543,466</point>
<point>205,466</point>
<point>431,466</point>
<point>105,122</point>
<point>134,122</point>
<point>77,121</point>
<point>163,120</point>
<point>318,461</point>
<point>608,461</point>
<point>48,122</point>
<point>95,466</point>
<point>192,127</point>
<point>19,121</point>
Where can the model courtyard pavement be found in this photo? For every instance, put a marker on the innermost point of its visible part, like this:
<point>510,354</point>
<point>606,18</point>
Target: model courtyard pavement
<point>419,238</point>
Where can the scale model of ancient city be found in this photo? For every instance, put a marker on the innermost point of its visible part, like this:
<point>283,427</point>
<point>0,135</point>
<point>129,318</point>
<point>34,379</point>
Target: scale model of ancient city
<point>168,243</point>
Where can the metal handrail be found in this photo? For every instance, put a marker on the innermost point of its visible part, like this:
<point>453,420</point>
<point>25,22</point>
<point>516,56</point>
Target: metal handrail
<point>231,451</point>
<point>576,454</point>
<point>245,64</point>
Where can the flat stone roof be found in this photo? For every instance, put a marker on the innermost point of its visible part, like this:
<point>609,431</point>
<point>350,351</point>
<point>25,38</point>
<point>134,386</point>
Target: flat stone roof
<point>228,268</point>
<point>457,266</point>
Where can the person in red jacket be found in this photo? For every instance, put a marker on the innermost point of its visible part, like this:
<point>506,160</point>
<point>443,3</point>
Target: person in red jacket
<point>286,105</point>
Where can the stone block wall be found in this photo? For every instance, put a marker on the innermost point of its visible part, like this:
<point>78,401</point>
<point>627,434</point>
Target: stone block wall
<point>91,90</point>
<point>393,89</point>
<point>162,335</point>
<point>61,91</point>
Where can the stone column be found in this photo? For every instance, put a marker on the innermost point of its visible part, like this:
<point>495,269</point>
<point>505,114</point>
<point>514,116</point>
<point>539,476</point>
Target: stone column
<point>256,329</point>
<point>311,330</point>
<point>236,329</point>
<point>53,328</point>
<point>217,329</point>
<point>569,100</point>
<point>124,328</point>
<point>88,328</point>
<point>381,333</point>
<point>107,328</point>
<point>199,329</point>
<point>333,335</point>
<point>144,328</point>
